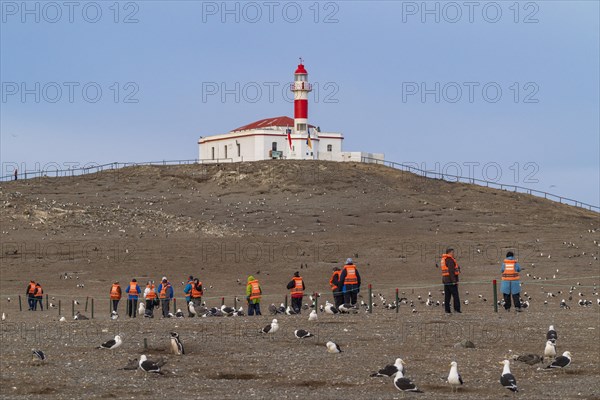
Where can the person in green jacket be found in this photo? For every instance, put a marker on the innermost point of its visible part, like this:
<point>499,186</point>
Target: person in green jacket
<point>253,294</point>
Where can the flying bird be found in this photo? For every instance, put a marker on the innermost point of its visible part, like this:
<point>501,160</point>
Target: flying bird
<point>454,378</point>
<point>176,344</point>
<point>390,369</point>
<point>112,343</point>
<point>507,379</point>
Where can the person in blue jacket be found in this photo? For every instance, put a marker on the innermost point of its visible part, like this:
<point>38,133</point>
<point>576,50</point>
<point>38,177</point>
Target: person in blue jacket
<point>188,289</point>
<point>511,282</point>
<point>165,294</point>
<point>133,291</point>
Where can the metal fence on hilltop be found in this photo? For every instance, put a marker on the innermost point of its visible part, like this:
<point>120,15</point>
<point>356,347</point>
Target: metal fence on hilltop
<point>98,168</point>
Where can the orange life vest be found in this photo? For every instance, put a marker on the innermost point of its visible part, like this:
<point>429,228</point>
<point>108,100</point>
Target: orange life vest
<point>510,273</point>
<point>338,273</point>
<point>39,292</point>
<point>255,294</point>
<point>351,278</point>
<point>115,293</point>
<point>196,293</point>
<point>163,290</point>
<point>31,287</point>
<point>444,267</point>
<point>297,290</point>
<point>151,295</point>
<point>132,290</point>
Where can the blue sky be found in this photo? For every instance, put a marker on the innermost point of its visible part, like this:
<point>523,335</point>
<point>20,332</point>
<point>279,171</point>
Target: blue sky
<point>161,68</point>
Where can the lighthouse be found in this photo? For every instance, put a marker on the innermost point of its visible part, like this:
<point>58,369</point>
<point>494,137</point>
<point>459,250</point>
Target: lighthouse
<point>302,147</point>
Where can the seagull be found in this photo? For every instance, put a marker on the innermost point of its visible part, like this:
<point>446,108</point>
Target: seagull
<point>333,347</point>
<point>3,317</point>
<point>62,319</point>
<point>191,309</point>
<point>330,308</point>
<point>227,311</point>
<point>313,315</point>
<point>454,378</point>
<point>148,365</point>
<point>112,343</point>
<point>141,308</point>
<point>550,350</point>
<point>302,334</point>
<point>404,384</point>
<point>38,355</point>
<point>507,379</point>
<point>176,344</point>
<point>271,328</point>
<point>114,315</point>
<point>179,313</point>
<point>561,361</point>
<point>551,335</point>
<point>80,317</point>
<point>390,369</point>
<point>273,309</point>
<point>290,311</point>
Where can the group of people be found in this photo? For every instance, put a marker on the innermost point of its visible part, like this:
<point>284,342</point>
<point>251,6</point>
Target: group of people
<point>35,294</point>
<point>345,285</point>
<point>154,297</point>
<point>510,287</point>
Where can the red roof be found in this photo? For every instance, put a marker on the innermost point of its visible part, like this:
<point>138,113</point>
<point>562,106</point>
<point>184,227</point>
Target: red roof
<point>269,122</point>
<point>300,69</point>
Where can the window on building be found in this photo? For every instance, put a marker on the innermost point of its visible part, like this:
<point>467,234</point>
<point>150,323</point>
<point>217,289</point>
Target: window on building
<point>300,127</point>
<point>225,153</point>
<point>329,147</point>
<point>213,153</point>
<point>274,146</point>
<point>300,78</point>
<point>239,149</point>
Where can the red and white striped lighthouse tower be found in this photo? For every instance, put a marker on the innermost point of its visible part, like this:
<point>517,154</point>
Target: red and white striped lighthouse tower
<point>301,88</point>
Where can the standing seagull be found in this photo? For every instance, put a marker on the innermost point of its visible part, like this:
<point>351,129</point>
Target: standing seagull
<point>271,328</point>
<point>148,365</point>
<point>176,344</point>
<point>38,355</point>
<point>330,308</point>
<point>404,384</point>
<point>550,350</point>
<point>454,378</point>
<point>191,309</point>
<point>561,361</point>
<point>333,347</point>
<point>551,335</point>
<point>390,369</point>
<point>507,379</point>
<point>141,308</point>
<point>313,316</point>
<point>112,343</point>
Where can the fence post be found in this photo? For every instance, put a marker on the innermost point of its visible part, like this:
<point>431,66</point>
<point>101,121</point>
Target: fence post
<point>72,308</point>
<point>495,296</point>
<point>222,301</point>
<point>286,302</point>
<point>175,304</point>
<point>235,303</point>
<point>316,301</point>
<point>370,299</point>
<point>92,308</point>
<point>86,302</point>
<point>397,302</point>
<point>59,310</point>
<point>20,305</point>
<point>47,304</point>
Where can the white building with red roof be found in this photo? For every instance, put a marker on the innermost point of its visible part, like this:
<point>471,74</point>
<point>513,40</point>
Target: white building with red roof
<point>280,137</point>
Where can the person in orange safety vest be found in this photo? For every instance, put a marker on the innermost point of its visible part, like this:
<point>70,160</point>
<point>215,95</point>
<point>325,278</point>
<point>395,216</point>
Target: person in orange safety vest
<point>296,287</point>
